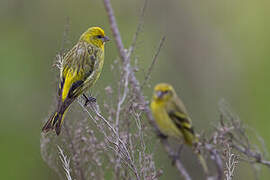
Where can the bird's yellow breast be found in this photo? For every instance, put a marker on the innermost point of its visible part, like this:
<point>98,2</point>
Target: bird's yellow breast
<point>164,122</point>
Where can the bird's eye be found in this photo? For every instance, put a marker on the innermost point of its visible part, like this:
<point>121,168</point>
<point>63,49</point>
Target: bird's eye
<point>99,36</point>
<point>165,92</point>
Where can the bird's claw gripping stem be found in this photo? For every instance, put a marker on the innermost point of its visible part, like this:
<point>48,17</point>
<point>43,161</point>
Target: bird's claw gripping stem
<point>89,100</point>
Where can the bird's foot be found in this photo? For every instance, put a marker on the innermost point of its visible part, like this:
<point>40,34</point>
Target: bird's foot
<point>89,99</point>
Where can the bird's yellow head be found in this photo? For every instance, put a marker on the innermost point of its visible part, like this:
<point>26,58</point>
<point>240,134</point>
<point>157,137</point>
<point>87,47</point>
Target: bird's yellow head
<point>95,36</point>
<point>163,92</point>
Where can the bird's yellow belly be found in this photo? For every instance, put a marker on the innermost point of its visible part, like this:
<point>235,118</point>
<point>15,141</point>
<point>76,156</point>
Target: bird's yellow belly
<point>164,123</point>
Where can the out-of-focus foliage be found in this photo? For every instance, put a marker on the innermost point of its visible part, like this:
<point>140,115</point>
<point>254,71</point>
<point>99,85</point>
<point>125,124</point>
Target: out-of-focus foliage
<point>214,49</point>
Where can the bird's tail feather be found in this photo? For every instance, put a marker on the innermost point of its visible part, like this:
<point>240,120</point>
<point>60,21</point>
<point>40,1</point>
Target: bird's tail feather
<point>54,122</point>
<point>203,163</point>
<point>192,138</point>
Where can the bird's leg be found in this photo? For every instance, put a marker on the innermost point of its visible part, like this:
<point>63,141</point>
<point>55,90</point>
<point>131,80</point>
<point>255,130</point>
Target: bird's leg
<point>177,154</point>
<point>89,99</point>
<point>180,149</point>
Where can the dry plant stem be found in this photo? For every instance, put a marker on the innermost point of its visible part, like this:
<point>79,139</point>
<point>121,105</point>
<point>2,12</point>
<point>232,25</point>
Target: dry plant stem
<point>138,30</point>
<point>232,161</point>
<point>125,61</point>
<point>215,155</point>
<point>122,99</point>
<point>178,163</point>
<point>74,152</point>
<point>124,57</point>
<point>150,69</point>
<point>125,155</point>
<point>135,83</point>
<point>249,153</point>
<point>115,31</point>
<point>65,161</point>
<point>119,108</point>
<point>142,142</point>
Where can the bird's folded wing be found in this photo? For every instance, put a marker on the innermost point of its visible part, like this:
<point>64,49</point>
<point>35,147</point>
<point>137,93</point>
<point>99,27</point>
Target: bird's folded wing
<point>181,120</point>
<point>77,68</point>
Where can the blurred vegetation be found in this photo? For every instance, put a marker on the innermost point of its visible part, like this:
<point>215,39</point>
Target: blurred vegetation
<point>214,50</point>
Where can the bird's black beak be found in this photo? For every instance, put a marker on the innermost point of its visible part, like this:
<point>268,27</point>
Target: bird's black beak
<point>105,39</point>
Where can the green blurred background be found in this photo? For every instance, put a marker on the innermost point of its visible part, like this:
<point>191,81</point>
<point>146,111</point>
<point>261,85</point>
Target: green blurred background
<point>213,50</point>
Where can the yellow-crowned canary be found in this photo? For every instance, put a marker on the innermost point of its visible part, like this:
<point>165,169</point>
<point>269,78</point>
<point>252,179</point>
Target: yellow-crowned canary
<point>79,70</point>
<point>171,116</point>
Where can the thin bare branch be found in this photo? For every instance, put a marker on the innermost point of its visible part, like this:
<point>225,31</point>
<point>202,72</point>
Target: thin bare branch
<point>73,149</point>
<point>65,161</point>
<point>218,162</point>
<point>249,153</point>
<point>123,98</point>
<point>115,31</point>
<point>138,30</point>
<point>150,69</point>
<point>231,163</point>
<point>178,163</point>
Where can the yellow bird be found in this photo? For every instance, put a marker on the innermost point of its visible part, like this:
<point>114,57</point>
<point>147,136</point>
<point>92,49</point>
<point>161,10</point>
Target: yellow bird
<point>171,116</point>
<point>79,70</point>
